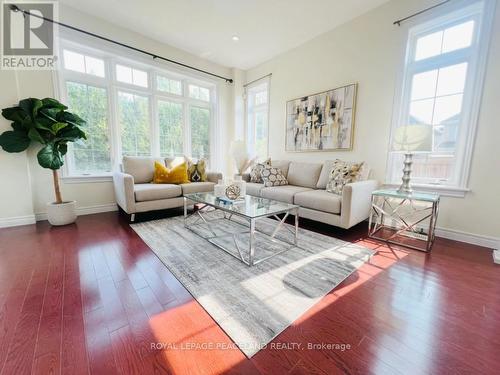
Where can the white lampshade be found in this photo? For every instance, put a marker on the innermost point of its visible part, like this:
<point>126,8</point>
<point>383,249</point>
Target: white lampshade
<point>413,138</point>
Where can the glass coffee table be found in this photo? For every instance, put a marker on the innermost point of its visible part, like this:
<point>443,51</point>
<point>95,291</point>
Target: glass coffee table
<point>250,209</point>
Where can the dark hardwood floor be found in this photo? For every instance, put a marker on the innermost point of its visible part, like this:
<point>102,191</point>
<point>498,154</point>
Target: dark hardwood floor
<point>92,298</point>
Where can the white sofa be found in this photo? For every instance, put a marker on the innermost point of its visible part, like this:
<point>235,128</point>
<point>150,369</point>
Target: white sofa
<point>135,193</point>
<point>307,188</point>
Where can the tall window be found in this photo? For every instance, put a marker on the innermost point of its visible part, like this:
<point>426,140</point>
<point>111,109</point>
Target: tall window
<point>200,132</point>
<point>441,86</point>
<point>133,117</point>
<point>257,125</point>
<point>132,108</point>
<point>171,129</point>
<point>91,103</point>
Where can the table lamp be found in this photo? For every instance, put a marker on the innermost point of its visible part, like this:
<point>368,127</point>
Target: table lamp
<point>411,139</point>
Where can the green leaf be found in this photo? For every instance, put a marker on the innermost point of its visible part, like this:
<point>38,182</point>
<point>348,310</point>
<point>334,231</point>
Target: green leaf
<point>50,113</point>
<point>37,104</point>
<point>63,148</point>
<point>14,114</point>
<point>27,105</point>
<point>44,123</point>
<point>14,141</point>
<point>71,118</point>
<point>53,103</point>
<point>58,126</point>
<point>50,157</point>
<point>71,133</point>
<point>34,135</point>
<point>18,127</point>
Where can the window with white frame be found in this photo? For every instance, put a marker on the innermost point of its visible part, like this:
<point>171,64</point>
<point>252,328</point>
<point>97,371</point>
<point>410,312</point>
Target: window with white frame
<point>441,86</point>
<point>257,117</point>
<point>132,108</point>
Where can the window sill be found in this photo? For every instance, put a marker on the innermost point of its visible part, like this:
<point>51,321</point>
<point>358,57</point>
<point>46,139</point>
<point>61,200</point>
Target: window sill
<point>86,179</point>
<point>445,191</point>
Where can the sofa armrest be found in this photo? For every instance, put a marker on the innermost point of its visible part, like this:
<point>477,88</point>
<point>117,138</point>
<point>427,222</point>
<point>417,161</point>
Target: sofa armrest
<point>124,191</point>
<point>356,202</point>
<point>214,177</point>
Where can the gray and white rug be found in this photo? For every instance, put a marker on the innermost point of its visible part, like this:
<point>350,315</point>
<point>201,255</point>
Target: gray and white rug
<point>252,304</point>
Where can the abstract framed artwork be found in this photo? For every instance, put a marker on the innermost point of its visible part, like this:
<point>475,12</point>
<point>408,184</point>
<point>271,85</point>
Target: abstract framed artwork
<point>321,122</point>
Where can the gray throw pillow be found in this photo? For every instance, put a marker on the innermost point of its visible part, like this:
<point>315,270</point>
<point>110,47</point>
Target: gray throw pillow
<point>343,173</point>
<point>273,177</point>
<point>256,171</point>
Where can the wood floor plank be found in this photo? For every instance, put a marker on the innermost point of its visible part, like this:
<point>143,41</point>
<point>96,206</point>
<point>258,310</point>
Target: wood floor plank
<point>98,342</point>
<point>20,355</point>
<point>49,340</point>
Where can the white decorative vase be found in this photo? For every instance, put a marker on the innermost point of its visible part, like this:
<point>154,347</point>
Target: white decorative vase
<point>61,213</point>
<point>238,181</point>
<point>220,189</point>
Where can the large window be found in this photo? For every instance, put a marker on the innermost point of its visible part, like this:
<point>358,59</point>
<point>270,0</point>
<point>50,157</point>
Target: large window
<point>132,108</point>
<point>257,119</point>
<point>441,87</point>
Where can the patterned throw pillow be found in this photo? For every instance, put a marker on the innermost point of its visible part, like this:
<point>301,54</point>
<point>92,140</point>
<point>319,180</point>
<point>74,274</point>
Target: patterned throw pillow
<point>256,172</point>
<point>343,173</point>
<point>273,177</point>
<point>197,171</point>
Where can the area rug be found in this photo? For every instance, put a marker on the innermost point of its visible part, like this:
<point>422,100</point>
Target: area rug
<point>252,304</point>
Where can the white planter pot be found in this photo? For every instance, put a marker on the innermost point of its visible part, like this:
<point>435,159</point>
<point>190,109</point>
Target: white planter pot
<point>62,213</point>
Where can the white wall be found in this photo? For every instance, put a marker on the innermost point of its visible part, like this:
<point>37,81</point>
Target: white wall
<point>369,50</point>
<point>15,186</point>
<point>26,187</point>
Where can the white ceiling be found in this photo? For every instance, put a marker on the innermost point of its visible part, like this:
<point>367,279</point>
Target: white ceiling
<point>205,28</point>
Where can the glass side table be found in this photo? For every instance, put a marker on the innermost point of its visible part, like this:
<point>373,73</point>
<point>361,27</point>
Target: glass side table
<point>404,219</point>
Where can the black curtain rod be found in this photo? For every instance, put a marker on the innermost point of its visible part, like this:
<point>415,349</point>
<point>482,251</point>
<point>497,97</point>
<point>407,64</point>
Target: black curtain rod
<point>15,8</point>
<point>398,22</point>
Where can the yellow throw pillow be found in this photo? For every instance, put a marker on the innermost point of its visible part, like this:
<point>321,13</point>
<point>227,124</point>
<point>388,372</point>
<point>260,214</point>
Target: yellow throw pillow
<point>176,175</point>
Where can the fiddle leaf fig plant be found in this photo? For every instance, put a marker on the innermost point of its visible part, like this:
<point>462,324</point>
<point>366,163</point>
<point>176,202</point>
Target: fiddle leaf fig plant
<point>47,122</point>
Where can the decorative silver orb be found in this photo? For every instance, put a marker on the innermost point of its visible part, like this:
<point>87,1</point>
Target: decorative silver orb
<point>233,192</point>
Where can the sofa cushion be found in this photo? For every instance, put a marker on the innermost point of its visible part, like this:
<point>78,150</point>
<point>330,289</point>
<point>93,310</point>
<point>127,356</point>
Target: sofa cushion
<point>254,189</point>
<point>282,193</point>
<point>153,192</point>
<point>197,187</point>
<point>328,165</point>
<point>281,164</point>
<point>142,168</point>
<point>304,174</point>
<point>320,200</point>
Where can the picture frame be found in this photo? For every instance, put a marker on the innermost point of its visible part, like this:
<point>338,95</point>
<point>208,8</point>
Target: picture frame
<point>323,121</point>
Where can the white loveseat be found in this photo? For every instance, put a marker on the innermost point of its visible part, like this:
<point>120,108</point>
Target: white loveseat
<point>307,188</point>
<point>135,193</point>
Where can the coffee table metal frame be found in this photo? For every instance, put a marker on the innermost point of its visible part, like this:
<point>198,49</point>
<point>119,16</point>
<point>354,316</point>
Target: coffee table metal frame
<point>251,229</point>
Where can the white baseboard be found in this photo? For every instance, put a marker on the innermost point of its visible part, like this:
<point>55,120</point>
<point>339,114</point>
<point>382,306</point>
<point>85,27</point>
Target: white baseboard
<point>85,210</point>
<point>475,239</point>
<point>496,256</point>
<point>16,221</point>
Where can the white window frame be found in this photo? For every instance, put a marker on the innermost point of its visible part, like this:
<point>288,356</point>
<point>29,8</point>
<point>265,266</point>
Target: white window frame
<point>265,107</point>
<point>481,11</point>
<point>112,57</point>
